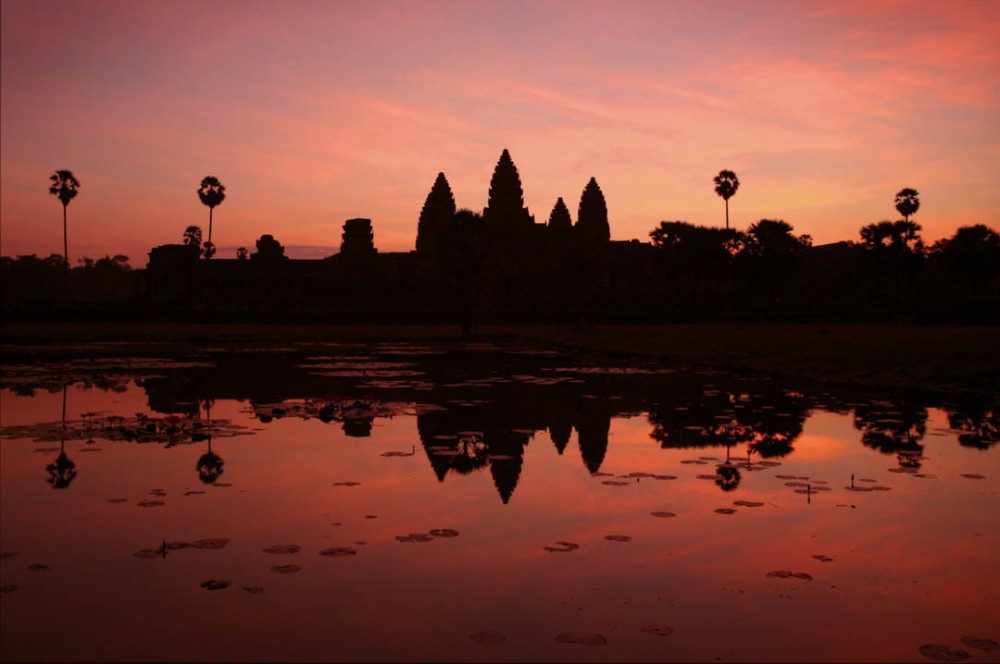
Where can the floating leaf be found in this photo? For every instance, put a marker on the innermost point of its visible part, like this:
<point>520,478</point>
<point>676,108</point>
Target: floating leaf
<point>285,569</point>
<point>657,630</point>
<point>779,574</point>
<point>210,543</point>
<point>414,537</point>
<point>972,476</point>
<point>338,552</point>
<point>563,547</point>
<point>215,584</point>
<point>488,637</point>
<point>150,503</point>
<point>444,532</point>
<point>616,483</point>
<point>663,515</point>
<point>117,500</point>
<point>823,558</point>
<point>283,548</point>
<point>348,483</point>
<point>725,510</point>
<point>253,590</point>
<point>618,538</point>
<point>943,653</point>
<point>987,645</point>
<point>748,503</point>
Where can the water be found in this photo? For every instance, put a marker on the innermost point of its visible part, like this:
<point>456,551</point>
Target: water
<point>557,473</point>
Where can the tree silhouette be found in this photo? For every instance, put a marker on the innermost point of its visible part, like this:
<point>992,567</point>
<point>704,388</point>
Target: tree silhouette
<point>242,254</point>
<point>212,193</point>
<point>64,186</point>
<point>907,202</point>
<point>192,239</point>
<point>973,252</point>
<point>726,184</point>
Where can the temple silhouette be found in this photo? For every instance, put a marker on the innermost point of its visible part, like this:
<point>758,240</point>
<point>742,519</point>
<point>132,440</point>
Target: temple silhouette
<point>498,264</point>
<point>501,265</point>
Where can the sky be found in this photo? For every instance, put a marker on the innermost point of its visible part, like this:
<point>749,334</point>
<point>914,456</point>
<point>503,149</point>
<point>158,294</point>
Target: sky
<point>312,113</point>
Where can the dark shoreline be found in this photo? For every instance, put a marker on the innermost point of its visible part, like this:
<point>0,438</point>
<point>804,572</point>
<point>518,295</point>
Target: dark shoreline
<point>942,362</point>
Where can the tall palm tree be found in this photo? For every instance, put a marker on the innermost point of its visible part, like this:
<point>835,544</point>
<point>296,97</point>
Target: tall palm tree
<point>726,184</point>
<point>907,202</point>
<point>212,193</point>
<point>64,186</point>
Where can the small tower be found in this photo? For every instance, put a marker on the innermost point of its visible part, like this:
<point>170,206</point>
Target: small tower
<point>358,240</point>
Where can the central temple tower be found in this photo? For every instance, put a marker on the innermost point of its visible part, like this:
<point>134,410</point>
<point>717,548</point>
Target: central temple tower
<point>505,215</point>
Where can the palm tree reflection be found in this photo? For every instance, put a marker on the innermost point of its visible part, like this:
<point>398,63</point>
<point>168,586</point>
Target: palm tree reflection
<point>62,471</point>
<point>209,464</point>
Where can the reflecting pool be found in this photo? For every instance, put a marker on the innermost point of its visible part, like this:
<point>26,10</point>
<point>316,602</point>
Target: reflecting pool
<point>485,502</point>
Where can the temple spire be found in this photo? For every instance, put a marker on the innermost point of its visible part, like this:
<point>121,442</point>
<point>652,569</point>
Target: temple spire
<point>438,210</point>
<point>559,219</point>
<point>505,208</point>
<point>592,219</point>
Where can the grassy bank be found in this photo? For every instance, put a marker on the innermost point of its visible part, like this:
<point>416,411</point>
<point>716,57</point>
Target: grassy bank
<point>948,361</point>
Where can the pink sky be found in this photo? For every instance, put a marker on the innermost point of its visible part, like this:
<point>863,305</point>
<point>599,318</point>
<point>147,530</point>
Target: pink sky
<point>315,112</point>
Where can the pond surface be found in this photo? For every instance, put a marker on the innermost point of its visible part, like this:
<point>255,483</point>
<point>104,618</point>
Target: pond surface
<point>477,502</point>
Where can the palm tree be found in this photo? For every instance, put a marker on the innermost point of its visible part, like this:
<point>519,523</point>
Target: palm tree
<point>212,193</point>
<point>64,186</point>
<point>907,202</point>
<point>726,184</point>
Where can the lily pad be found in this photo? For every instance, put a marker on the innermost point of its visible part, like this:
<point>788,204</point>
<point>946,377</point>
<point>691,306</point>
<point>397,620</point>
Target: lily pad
<point>148,554</point>
<point>338,552</point>
<point>4,555</point>
<point>986,645</point>
<point>592,639</point>
<point>210,543</point>
<point>283,548</point>
<point>488,637</point>
<point>414,537</point>
<point>7,588</point>
<point>348,483</point>
<point>117,500</point>
<point>150,503</point>
<point>748,503</point>
<point>39,567</point>
<point>943,653</point>
<point>823,558</point>
<point>444,532</point>
<point>216,584</point>
<point>285,569</point>
<point>972,476</point>
<point>616,483</point>
<point>725,510</point>
<point>664,477</point>
<point>563,547</point>
<point>253,590</point>
<point>657,630</point>
<point>618,538</point>
<point>663,515</point>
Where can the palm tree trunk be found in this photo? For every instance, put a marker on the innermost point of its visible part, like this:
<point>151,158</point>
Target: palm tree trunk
<point>210,224</point>
<point>727,214</point>
<point>65,258</point>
